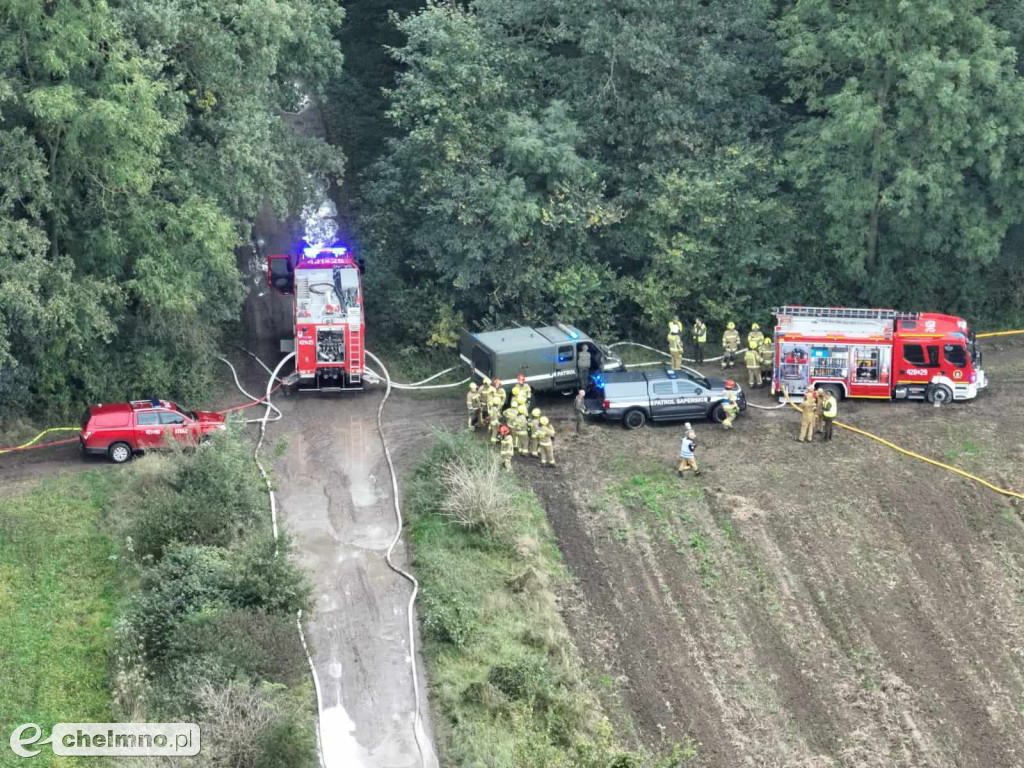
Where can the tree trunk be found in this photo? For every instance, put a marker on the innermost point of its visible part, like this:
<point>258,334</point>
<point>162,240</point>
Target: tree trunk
<point>55,215</point>
<point>871,260</point>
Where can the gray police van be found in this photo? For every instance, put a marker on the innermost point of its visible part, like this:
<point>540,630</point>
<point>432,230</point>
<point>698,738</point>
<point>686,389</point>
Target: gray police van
<point>557,357</point>
<point>634,397</point>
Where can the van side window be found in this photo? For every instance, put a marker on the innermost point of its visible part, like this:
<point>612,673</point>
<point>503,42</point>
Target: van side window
<point>664,388</point>
<point>149,418</point>
<point>565,354</point>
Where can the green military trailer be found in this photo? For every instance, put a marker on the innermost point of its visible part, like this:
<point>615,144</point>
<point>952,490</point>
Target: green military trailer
<point>557,357</point>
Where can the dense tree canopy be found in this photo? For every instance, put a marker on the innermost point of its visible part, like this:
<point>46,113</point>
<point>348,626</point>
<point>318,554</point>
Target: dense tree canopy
<point>613,163</point>
<point>606,162</point>
<point>138,139</point>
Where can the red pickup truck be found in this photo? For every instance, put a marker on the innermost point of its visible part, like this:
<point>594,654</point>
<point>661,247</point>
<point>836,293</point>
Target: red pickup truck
<point>121,430</point>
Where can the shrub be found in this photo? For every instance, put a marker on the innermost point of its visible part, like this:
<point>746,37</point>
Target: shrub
<point>480,495</point>
<point>208,497</point>
<point>447,617</point>
<point>237,644</point>
<point>523,680</point>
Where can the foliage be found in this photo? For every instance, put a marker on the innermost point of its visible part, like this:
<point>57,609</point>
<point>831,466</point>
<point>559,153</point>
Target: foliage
<point>59,589</point>
<point>615,164</point>
<point>137,142</point>
<point>506,682</point>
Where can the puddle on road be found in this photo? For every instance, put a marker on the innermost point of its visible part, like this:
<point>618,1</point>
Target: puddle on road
<point>338,740</point>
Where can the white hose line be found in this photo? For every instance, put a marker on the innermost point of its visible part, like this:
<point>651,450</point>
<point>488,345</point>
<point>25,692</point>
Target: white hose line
<point>665,354</point>
<point>417,723</point>
<point>417,386</point>
<point>255,399</point>
<point>273,519</point>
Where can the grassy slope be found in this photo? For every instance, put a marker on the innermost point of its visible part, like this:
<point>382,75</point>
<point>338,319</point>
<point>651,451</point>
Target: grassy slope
<point>506,681</point>
<point>58,595</point>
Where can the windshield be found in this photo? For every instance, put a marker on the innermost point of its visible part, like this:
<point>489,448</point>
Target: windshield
<point>696,378</point>
<point>974,348</point>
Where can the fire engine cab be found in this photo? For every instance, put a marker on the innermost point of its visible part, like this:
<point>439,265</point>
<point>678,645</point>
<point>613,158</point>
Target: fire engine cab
<point>876,353</point>
<point>328,311</point>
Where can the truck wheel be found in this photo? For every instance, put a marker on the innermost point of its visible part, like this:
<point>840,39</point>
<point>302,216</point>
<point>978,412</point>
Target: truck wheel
<point>718,414</point>
<point>634,419</point>
<point>939,393</point>
<point>119,453</point>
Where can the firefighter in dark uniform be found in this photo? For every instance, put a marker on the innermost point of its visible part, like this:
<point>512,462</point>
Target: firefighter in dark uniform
<point>699,334</point>
<point>579,408</point>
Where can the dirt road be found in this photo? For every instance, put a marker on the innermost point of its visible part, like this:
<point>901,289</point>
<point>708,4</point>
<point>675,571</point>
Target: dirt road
<point>337,510</point>
<point>806,605</point>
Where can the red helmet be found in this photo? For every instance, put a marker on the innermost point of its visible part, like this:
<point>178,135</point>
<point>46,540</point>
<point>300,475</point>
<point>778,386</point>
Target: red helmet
<point>503,430</point>
<point>521,378</point>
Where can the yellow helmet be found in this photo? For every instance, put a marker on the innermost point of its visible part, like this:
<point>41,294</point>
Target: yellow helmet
<point>472,385</point>
<point>732,397</point>
<point>536,413</point>
<point>767,342</point>
<point>522,409</point>
<point>731,325</point>
<point>755,327</point>
<point>544,420</point>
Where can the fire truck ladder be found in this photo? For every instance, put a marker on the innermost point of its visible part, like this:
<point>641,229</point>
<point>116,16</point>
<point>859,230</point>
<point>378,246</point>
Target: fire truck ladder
<point>354,345</point>
<point>840,312</point>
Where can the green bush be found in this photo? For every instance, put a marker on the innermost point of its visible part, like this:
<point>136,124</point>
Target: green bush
<point>209,497</point>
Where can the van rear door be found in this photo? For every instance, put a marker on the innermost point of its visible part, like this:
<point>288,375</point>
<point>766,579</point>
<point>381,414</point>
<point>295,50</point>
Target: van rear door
<point>476,355</point>
<point>565,375</point>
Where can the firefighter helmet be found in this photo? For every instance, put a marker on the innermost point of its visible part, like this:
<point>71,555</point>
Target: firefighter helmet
<point>472,386</point>
<point>544,421</point>
<point>536,413</point>
<point>767,342</point>
<point>730,325</point>
<point>503,430</point>
<point>755,327</point>
<point>521,409</point>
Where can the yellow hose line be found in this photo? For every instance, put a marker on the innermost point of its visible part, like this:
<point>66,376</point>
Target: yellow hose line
<point>39,437</point>
<point>996,333</point>
<point>925,459</point>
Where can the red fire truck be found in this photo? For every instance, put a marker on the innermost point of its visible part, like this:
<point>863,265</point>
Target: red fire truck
<point>876,353</point>
<point>328,312</point>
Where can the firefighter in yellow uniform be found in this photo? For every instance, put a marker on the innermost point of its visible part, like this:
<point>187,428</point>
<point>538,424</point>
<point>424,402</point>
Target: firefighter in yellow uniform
<point>767,353</point>
<point>547,442</point>
<point>485,391</point>
<point>699,334</point>
<point>731,409</point>
<point>755,337</point>
<point>807,417</point>
<point>522,428</point>
<point>752,360</point>
<point>494,418</point>
<point>508,448</point>
<point>731,344</point>
<point>675,349</point>
<point>473,405</point>
<point>535,433</point>
<point>819,412</point>
<point>830,411</point>
<point>525,390</point>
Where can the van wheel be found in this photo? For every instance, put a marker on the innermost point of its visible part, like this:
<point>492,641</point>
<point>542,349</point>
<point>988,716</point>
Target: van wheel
<point>119,453</point>
<point>634,419</point>
<point>718,414</point>
<point>939,393</point>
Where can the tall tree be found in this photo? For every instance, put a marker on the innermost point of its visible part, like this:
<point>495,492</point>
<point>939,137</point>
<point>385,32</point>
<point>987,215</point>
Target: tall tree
<point>912,140</point>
